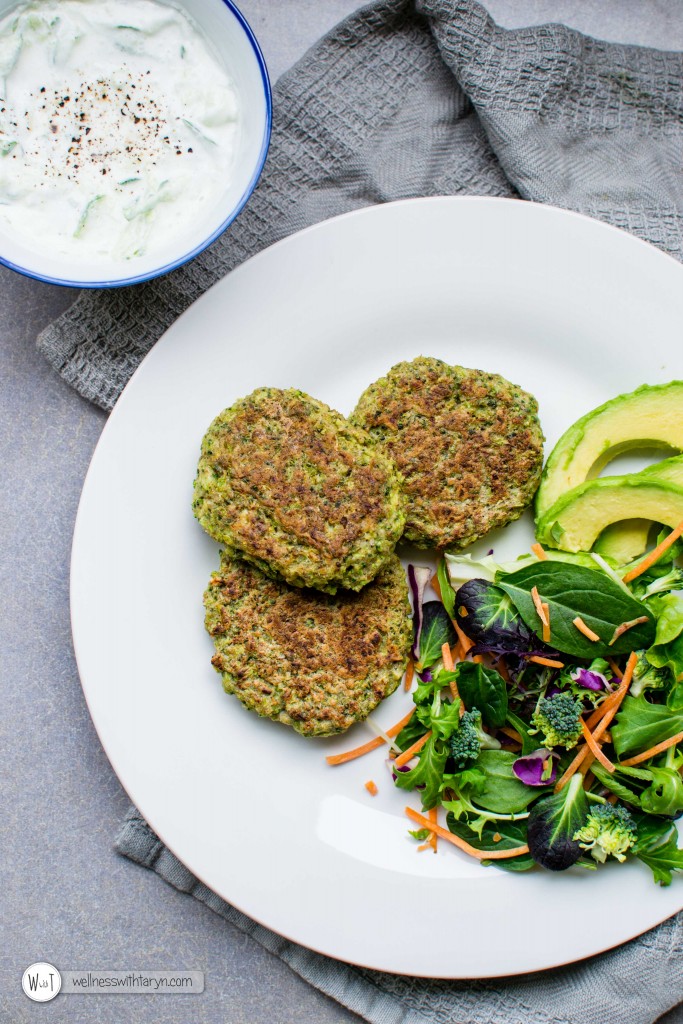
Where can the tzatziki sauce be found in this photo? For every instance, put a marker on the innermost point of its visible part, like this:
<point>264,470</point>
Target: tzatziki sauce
<point>118,126</point>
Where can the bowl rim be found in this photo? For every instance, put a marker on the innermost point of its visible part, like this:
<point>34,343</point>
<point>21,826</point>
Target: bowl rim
<point>237,209</point>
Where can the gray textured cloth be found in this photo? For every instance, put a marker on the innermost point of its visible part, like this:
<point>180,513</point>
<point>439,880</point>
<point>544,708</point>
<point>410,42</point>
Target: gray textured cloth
<point>400,102</point>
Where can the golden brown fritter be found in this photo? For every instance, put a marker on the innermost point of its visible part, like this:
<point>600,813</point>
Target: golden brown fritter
<point>467,443</point>
<point>295,489</point>
<point>314,661</point>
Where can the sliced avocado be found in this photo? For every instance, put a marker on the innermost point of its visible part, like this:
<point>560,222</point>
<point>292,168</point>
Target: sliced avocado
<point>626,540</point>
<point>650,417</point>
<point>576,520</point>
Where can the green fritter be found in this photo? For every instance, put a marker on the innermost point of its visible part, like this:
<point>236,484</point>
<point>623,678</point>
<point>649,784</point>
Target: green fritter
<point>293,487</point>
<point>317,662</point>
<point>467,443</point>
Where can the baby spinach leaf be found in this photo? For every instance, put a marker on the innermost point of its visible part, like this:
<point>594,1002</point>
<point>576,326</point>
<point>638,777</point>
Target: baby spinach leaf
<point>640,725</point>
<point>437,630</point>
<point>502,792</point>
<point>484,689</point>
<point>495,835</point>
<point>571,591</point>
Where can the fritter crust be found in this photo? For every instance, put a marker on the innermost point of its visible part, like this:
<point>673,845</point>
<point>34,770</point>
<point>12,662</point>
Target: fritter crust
<point>468,445</point>
<point>313,661</point>
<point>298,491</point>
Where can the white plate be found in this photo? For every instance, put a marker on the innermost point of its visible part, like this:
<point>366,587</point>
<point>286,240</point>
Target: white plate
<point>570,309</point>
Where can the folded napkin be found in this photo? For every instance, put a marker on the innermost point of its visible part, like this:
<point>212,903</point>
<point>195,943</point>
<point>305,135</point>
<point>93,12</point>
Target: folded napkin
<point>404,99</point>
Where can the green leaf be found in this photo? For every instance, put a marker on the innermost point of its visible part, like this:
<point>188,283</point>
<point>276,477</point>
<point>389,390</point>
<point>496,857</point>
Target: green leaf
<point>571,591</point>
<point>447,592</point>
<point>503,792</point>
<point>529,743</point>
<point>510,834</point>
<point>615,785</point>
<point>437,630</point>
<point>420,833</point>
<point>665,794</point>
<point>668,656</point>
<point>428,772</point>
<point>640,725</point>
<point>663,859</point>
<point>484,689</point>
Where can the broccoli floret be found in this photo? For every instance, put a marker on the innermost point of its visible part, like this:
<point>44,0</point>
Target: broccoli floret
<point>647,677</point>
<point>558,718</point>
<point>469,739</point>
<point>609,830</point>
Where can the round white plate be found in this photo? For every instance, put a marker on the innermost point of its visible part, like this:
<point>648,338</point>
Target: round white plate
<point>570,309</point>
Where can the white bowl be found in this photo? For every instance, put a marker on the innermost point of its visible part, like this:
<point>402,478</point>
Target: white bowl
<point>235,45</point>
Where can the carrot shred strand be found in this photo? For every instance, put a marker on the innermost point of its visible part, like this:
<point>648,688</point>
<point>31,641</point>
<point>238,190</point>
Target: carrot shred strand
<point>655,554</point>
<point>549,662</point>
<point>443,833</point>
<point>546,624</point>
<point>410,673</point>
<point>371,787</point>
<point>586,630</point>
<point>539,551</point>
<point>365,748</point>
<point>411,750</point>
<point>595,750</point>
<point>653,751</point>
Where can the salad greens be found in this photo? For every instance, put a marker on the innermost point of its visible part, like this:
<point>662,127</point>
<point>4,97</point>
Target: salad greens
<point>501,737</point>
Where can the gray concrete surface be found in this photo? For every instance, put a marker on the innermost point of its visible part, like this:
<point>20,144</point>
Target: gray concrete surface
<point>67,897</point>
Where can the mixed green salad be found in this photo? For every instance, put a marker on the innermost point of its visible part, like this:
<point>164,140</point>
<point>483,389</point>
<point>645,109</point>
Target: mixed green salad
<point>554,736</point>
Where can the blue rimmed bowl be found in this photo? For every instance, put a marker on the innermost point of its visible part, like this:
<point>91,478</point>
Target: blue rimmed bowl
<point>234,43</point>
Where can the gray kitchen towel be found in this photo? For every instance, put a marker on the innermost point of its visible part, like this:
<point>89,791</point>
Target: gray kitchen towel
<point>411,98</point>
<point>406,99</point>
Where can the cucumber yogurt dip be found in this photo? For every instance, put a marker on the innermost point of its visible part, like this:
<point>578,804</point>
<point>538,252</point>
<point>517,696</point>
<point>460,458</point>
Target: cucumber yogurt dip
<point>118,126</point>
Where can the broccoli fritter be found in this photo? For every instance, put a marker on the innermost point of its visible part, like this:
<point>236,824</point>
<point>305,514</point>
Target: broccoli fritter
<point>295,489</point>
<point>467,443</point>
<point>314,661</point>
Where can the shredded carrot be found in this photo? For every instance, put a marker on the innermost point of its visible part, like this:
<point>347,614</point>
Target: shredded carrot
<point>615,668</point>
<point>371,787</point>
<point>412,749</point>
<point>550,662</point>
<point>502,668</point>
<point>410,672</point>
<point>365,748</point>
<point>546,625</point>
<point>594,748</point>
<point>539,606</point>
<point>654,554</point>
<point>589,779</point>
<point>419,819</point>
<point>496,837</point>
<point>625,626</point>
<point>586,630</point>
<point>658,749</point>
<point>465,642</point>
<point>436,586</point>
<point>612,798</point>
<point>512,733</point>
<point>614,700</point>
<point>433,838</point>
<point>539,552</point>
<point>447,658</point>
<point>603,716</point>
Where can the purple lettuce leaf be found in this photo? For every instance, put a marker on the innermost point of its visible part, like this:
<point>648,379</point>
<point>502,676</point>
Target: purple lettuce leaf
<point>418,578</point>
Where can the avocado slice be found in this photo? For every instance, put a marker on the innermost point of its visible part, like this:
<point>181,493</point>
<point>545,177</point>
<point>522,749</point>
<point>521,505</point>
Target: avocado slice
<point>624,541</point>
<point>576,520</point>
<point>649,417</point>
